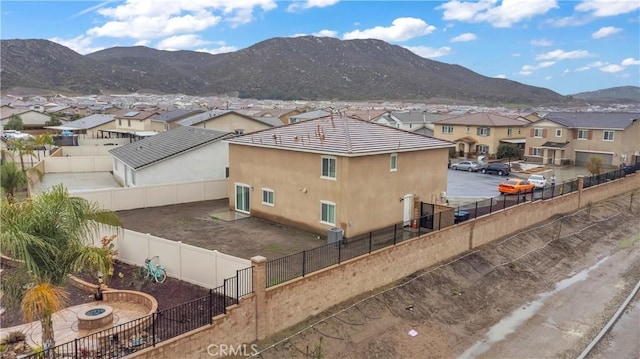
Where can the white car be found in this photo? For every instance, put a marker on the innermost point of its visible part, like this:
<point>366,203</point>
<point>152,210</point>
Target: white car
<point>15,135</point>
<point>539,181</point>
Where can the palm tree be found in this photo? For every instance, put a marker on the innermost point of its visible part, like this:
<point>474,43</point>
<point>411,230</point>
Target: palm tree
<point>12,178</point>
<point>51,234</point>
<point>24,147</point>
<point>41,141</point>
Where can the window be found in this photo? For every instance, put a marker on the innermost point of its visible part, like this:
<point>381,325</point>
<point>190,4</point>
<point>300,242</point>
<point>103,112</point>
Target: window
<point>468,129</point>
<point>509,131</point>
<point>238,131</point>
<point>292,120</point>
<point>128,123</point>
<point>537,132</point>
<point>328,212</point>
<point>328,167</point>
<point>607,136</point>
<point>583,134</point>
<point>536,151</point>
<point>483,131</point>
<point>447,129</point>
<point>394,162</point>
<point>558,133</point>
<point>119,122</point>
<point>267,196</point>
<point>226,172</point>
<point>115,165</point>
<point>482,149</point>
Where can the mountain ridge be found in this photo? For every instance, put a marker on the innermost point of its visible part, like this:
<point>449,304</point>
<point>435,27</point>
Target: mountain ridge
<point>300,68</point>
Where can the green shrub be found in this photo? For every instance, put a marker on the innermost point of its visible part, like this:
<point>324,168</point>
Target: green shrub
<point>13,338</point>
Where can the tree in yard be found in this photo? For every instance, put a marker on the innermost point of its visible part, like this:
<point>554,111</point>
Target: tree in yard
<point>12,179</point>
<point>24,147</point>
<point>41,141</point>
<point>508,150</point>
<point>595,165</point>
<point>52,235</point>
<point>14,123</point>
<point>53,121</point>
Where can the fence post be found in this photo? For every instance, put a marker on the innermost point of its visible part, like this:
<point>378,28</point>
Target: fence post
<point>304,262</point>
<point>237,287</point>
<point>75,349</point>
<point>490,205</point>
<point>211,306</point>
<point>153,328</point>
<point>259,284</point>
<point>504,202</point>
<point>395,228</point>
<point>224,293</point>
<point>371,242</point>
<point>339,251</point>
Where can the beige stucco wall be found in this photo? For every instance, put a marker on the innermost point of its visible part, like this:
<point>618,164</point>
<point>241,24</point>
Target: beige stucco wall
<point>367,195</point>
<point>231,121</point>
<point>136,125</point>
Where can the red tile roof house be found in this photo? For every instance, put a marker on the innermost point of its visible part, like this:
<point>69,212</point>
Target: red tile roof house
<point>335,172</point>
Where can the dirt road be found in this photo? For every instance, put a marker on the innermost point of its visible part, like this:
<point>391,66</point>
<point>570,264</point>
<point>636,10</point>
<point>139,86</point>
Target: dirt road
<point>544,292</point>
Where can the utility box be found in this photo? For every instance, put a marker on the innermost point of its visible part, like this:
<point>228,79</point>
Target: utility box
<point>335,236</point>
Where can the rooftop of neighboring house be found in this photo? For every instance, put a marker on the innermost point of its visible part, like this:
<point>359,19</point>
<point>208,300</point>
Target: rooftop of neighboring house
<point>177,114</point>
<point>483,119</point>
<point>344,136</point>
<point>165,144</point>
<point>55,109</point>
<point>593,120</point>
<point>134,114</point>
<point>7,111</point>
<point>201,117</point>
<point>416,117</point>
<point>271,121</point>
<point>86,123</point>
<point>310,115</point>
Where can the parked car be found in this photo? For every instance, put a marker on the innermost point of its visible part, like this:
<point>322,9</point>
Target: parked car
<point>501,169</point>
<point>539,181</point>
<point>515,186</point>
<point>470,166</point>
<point>8,135</point>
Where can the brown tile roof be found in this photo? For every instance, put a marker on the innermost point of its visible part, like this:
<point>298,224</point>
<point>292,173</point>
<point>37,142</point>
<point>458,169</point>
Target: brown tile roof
<point>483,119</point>
<point>343,136</point>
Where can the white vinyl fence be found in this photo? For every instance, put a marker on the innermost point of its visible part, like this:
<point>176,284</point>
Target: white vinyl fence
<point>75,151</point>
<point>78,164</point>
<point>203,267</point>
<point>124,198</point>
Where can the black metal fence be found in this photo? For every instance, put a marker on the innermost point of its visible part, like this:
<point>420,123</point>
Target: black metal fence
<point>300,264</point>
<point>126,338</point>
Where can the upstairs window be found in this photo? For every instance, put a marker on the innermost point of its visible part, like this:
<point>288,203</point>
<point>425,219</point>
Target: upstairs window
<point>394,162</point>
<point>447,129</point>
<point>328,167</point>
<point>583,134</point>
<point>537,132</point>
<point>483,131</point>
<point>558,132</point>
<point>509,131</point>
<point>238,131</point>
<point>607,136</point>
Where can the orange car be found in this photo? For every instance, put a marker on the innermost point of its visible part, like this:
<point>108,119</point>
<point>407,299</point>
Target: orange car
<point>515,186</point>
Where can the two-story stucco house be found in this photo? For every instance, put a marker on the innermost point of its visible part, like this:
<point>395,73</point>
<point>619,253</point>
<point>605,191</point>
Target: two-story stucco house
<point>169,120</point>
<point>572,137</point>
<point>480,133</point>
<point>335,172</point>
<point>134,121</point>
<point>416,121</point>
<point>184,154</point>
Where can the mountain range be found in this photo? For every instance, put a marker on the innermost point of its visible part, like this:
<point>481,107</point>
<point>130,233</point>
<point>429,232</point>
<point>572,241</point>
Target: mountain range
<point>300,68</point>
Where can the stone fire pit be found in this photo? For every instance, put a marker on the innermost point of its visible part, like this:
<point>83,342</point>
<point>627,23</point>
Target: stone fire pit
<point>95,318</point>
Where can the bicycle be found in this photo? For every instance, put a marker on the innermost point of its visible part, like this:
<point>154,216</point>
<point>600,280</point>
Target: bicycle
<point>156,271</point>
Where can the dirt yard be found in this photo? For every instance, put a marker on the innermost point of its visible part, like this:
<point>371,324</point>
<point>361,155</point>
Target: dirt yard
<point>194,223</point>
<point>543,292</point>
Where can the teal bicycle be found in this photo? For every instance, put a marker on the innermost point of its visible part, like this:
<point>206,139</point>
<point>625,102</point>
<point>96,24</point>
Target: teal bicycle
<point>156,271</point>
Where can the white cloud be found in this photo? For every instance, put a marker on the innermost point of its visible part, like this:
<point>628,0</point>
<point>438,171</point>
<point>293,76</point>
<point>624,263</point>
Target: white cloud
<point>401,29</point>
<point>630,61</point>
<point>541,42</point>
<point>563,55</point>
<point>152,19</point>
<point>321,33</point>
<point>503,14</point>
<point>80,44</point>
<point>525,73</point>
<point>612,68</point>
<point>583,68</point>
<point>179,42</point>
<point>548,78</point>
<point>302,5</point>
<point>605,31</point>
<point>501,76</point>
<point>464,37</point>
<point>566,71</point>
<point>529,69</point>
<point>429,52</point>
<point>516,54</point>
<point>601,8</point>
<point>568,21</point>
<point>219,50</point>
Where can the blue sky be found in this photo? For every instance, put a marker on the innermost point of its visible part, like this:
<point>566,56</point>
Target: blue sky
<point>566,46</point>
